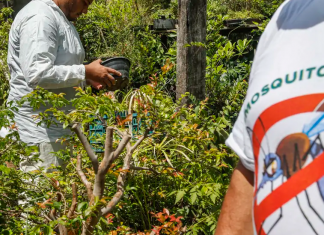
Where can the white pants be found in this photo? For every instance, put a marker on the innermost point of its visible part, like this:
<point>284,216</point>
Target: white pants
<point>47,158</point>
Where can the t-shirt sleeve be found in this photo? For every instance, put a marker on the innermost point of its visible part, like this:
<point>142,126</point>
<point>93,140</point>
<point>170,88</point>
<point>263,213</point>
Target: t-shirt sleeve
<point>240,142</point>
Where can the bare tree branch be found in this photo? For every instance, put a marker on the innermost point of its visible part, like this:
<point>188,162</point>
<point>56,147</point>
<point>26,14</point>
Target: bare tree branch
<point>140,141</point>
<point>109,142</point>
<point>46,217</point>
<point>119,132</point>
<point>165,166</point>
<point>143,169</point>
<point>62,229</point>
<point>83,177</point>
<point>121,146</point>
<point>122,176</point>
<point>120,183</point>
<point>87,147</point>
<point>108,151</point>
<point>74,201</point>
<point>106,163</point>
<point>109,157</point>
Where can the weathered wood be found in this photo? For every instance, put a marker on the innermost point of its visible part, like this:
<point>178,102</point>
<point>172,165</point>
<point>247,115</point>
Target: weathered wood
<point>191,61</point>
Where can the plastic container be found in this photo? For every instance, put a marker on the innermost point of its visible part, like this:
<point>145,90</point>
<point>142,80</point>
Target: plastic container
<point>122,65</point>
<point>98,129</point>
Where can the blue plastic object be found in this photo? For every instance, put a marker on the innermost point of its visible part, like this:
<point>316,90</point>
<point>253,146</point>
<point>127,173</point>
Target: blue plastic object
<point>98,129</point>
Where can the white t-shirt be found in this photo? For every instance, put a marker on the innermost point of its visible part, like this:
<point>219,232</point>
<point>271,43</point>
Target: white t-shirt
<point>279,133</point>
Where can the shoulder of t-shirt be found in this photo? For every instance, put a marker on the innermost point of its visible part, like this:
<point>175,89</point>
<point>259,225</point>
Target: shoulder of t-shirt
<point>35,10</point>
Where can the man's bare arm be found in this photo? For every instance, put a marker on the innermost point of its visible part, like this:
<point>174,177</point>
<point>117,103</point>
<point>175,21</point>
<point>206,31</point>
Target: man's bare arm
<point>236,214</point>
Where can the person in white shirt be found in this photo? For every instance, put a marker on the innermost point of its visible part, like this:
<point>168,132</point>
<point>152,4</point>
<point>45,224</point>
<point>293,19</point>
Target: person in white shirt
<point>45,50</point>
<point>278,186</point>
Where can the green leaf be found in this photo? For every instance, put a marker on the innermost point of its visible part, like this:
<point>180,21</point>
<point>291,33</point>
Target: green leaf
<point>193,198</point>
<point>4,169</point>
<point>82,206</point>
<point>96,200</point>
<point>213,198</point>
<point>57,205</point>
<point>212,228</point>
<point>66,124</point>
<point>87,212</point>
<point>204,190</point>
<point>48,230</point>
<point>179,196</point>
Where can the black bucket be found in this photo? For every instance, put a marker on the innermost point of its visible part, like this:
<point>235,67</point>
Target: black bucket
<point>122,65</point>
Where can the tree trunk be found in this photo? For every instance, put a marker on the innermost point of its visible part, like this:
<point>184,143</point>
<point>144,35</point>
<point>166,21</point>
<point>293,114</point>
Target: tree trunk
<point>191,61</point>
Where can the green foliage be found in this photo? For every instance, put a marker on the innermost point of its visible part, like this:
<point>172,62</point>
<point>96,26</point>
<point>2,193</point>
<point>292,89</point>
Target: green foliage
<point>188,169</point>
<point>120,28</point>
<point>107,30</point>
<point>5,25</point>
<point>242,9</point>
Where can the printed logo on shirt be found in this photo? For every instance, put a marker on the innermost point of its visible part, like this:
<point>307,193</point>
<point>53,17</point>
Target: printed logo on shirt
<point>296,76</point>
<point>288,145</point>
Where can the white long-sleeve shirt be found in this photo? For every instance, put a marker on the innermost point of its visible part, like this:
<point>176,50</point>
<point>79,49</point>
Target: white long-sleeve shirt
<point>44,50</point>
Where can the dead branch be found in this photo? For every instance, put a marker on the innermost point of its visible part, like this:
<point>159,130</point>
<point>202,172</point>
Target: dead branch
<point>165,166</point>
<point>87,147</point>
<point>74,201</point>
<point>83,177</point>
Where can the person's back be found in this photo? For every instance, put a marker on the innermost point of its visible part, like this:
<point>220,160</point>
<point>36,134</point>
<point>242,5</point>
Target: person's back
<point>280,129</point>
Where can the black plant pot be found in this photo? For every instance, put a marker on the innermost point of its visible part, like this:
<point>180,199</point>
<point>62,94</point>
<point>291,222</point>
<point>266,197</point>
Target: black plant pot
<point>122,65</point>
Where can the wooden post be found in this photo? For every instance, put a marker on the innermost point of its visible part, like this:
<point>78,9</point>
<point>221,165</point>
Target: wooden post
<point>191,61</point>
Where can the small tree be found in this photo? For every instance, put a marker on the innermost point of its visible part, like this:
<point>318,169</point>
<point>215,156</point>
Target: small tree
<point>118,146</point>
<point>95,192</point>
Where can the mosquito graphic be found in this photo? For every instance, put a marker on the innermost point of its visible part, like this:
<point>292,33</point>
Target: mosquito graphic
<point>291,155</point>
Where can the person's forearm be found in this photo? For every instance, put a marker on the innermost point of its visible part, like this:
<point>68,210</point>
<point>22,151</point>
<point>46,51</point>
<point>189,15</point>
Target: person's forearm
<point>236,213</point>
<point>54,77</point>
